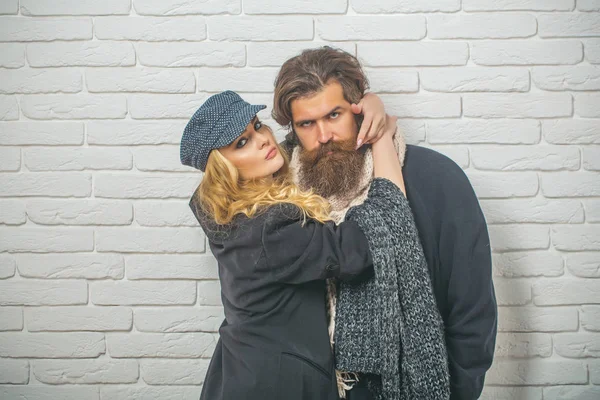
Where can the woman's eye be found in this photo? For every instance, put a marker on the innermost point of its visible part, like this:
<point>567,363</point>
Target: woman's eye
<point>241,143</point>
<point>334,115</point>
<point>257,125</point>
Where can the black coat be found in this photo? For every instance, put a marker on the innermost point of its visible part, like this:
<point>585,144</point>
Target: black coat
<point>274,343</point>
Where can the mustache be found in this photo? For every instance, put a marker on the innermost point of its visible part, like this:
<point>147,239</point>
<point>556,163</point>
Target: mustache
<point>338,148</point>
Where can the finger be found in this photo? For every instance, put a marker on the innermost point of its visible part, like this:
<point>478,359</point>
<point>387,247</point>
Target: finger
<point>357,108</point>
<point>365,127</point>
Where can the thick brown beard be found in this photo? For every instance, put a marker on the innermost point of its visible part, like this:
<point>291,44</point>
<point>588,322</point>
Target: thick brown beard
<point>330,175</point>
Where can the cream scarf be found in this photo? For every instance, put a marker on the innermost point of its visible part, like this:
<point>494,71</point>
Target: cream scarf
<point>340,204</point>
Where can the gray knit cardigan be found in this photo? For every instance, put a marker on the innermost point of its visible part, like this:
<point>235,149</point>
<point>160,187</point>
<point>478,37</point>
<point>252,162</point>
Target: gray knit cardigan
<point>390,326</point>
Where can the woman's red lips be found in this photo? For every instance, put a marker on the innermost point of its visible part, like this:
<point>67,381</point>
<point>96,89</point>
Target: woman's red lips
<point>272,153</point>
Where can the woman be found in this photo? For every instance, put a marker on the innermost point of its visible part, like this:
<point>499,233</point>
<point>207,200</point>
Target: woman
<point>275,248</point>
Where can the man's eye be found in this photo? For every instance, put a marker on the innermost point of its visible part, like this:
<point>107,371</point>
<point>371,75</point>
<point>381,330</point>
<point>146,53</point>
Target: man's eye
<point>305,124</point>
<point>334,115</point>
<point>241,143</point>
<point>257,125</point>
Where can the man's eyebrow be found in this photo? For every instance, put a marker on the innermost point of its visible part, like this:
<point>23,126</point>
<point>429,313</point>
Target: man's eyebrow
<point>312,120</point>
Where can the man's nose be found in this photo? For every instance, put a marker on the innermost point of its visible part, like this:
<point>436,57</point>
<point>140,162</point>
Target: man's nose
<point>323,133</point>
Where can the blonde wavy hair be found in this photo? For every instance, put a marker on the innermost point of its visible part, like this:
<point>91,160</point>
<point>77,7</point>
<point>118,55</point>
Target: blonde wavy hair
<point>222,194</point>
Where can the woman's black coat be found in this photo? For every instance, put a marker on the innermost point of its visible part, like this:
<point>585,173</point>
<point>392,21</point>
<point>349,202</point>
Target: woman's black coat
<point>274,342</point>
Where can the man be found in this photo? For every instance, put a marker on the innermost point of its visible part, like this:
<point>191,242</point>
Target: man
<point>313,95</point>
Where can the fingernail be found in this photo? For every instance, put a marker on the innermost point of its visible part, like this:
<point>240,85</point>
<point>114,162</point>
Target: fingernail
<point>359,143</point>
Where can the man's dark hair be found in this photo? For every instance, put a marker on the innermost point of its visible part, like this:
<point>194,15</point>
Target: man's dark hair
<point>308,73</point>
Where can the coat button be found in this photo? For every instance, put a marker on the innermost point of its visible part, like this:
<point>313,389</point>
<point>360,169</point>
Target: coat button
<point>331,267</point>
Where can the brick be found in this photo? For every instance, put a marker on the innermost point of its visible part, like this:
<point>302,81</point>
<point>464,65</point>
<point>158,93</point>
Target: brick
<point>127,132</point>
<point>129,392</point>
<point>12,212</point>
<point>395,54</point>
<point>52,345</point>
<point>33,292</point>
<point>203,54</point>
<point>78,318</point>
<point>591,49</point>
<point>522,158</point>
<point>422,105</point>
<point>11,318</point>
<point>295,7</point>
<point>61,266</point>
<point>480,26</point>
<point>504,184</point>
<point>508,131</point>
<point>519,237</point>
<point>537,319</point>
<point>243,80</point>
<point>158,158</point>
<point>42,392</point>
<point>587,105</point>
<point>58,106</point>
<point>470,79</point>
<point>9,7</point>
<point>567,78</point>
<point>526,264</point>
<point>552,292</point>
<point>92,54</point>
<point>260,28</point>
<point>45,240</point>
<point>170,266</point>
<point>65,7</point>
<point>536,210</point>
<point>404,6</point>
<point>18,29</point>
<point>584,265</point>
<point>14,371</point>
<point>571,131</point>
<point>64,184</point>
<point>371,28</point>
<point>511,393</point>
<point>104,371</point>
<point>209,293</point>
<point>79,212</point>
<point>149,80</point>
<point>10,159</point>
<point>150,29</point>
<point>591,158</point>
<point>156,214</point>
<point>146,186</point>
<point>526,52</point>
<point>523,345</point>
<point>525,105</point>
<point>576,238</point>
<point>392,80</point>
<point>142,293</point>
<point>577,345</point>
<point>8,266</point>
<point>77,159</point>
<point>590,318</point>
<point>518,5</point>
<point>9,109</point>
<point>168,345</point>
<point>592,210</point>
<point>512,292</point>
<point>186,7</point>
<point>274,54</point>
<point>150,240</point>
<point>460,155</point>
<point>588,5</point>
<point>188,319</point>
<point>571,184</point>
<point>147,106</point>
<point>536,372</point>
<point>174,372</point>
<point>413,130</point>
<point>571,392</point>
<point>13,55</point>
<point>41,133</point>
<point>568,25</point>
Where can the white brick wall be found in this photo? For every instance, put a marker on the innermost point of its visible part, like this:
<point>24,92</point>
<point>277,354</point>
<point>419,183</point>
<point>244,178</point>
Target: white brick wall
<point>107,290</point>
